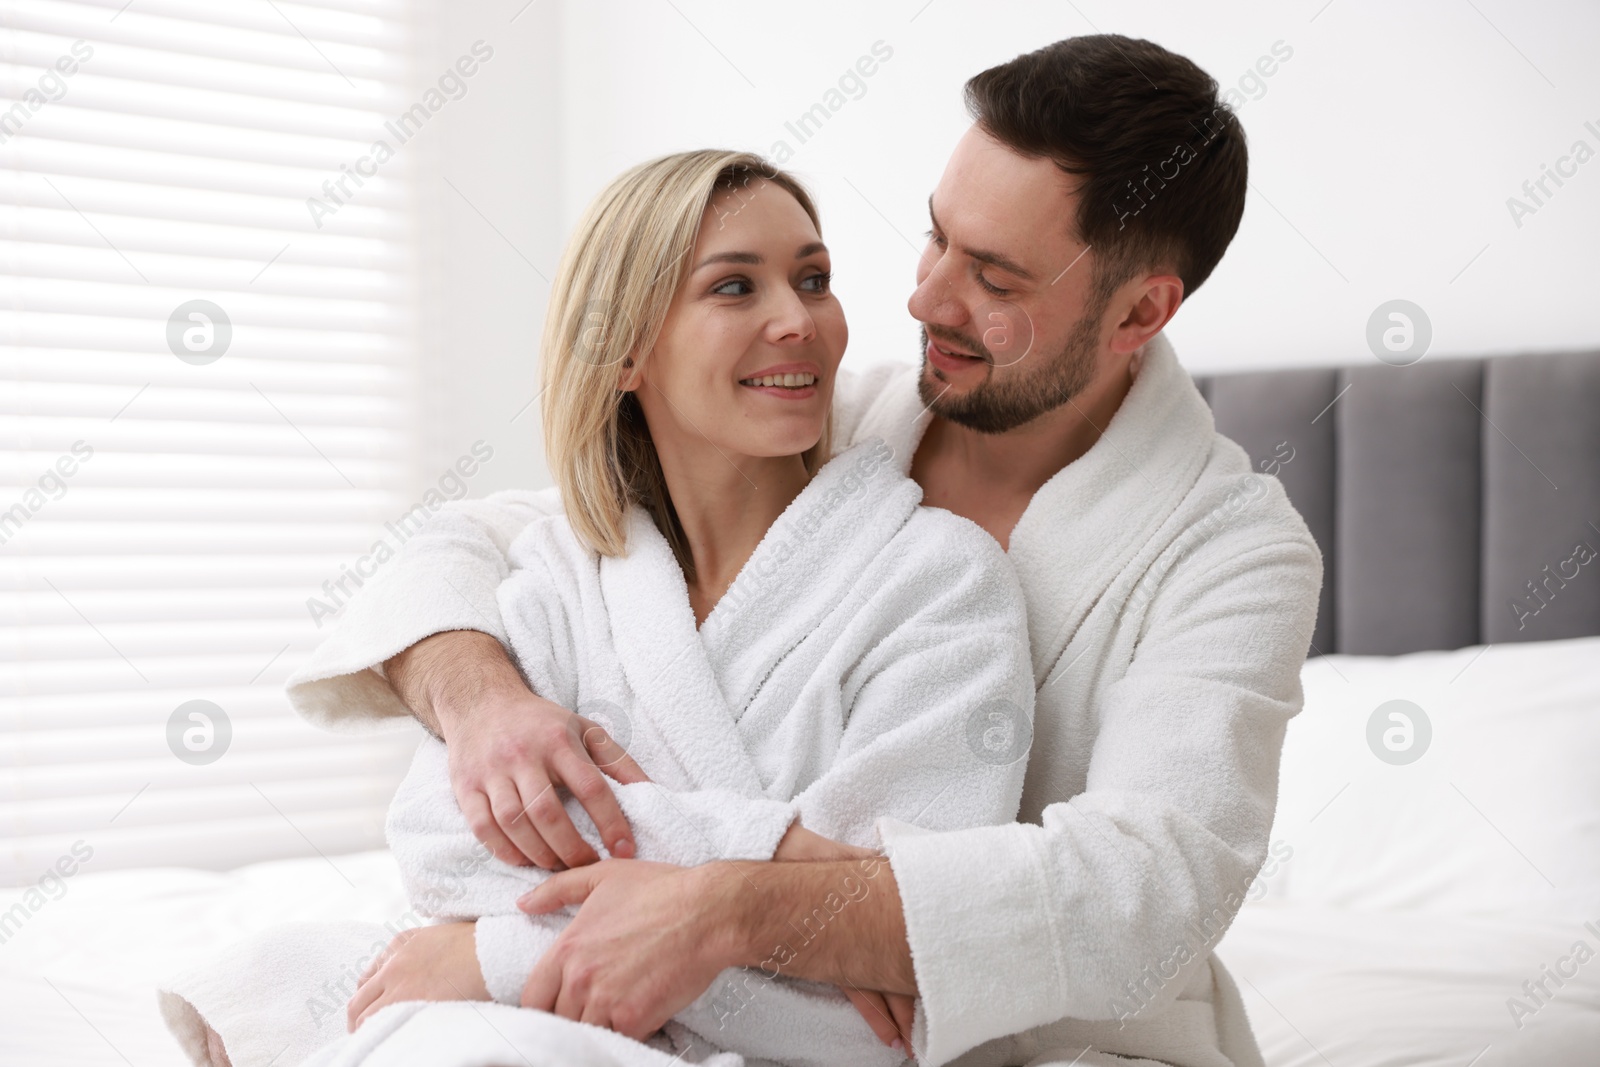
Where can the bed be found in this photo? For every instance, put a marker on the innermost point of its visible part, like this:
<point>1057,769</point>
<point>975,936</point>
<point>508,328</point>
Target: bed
<point>1413,898</point>
<point>1457,505</point>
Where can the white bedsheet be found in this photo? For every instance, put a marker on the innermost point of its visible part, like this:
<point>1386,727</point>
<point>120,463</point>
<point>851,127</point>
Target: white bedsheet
<point>78,978</point>
<point>1394,934</point>
<point>1361,989</point>
<point>1412,900</point>
<point>1385,989</point>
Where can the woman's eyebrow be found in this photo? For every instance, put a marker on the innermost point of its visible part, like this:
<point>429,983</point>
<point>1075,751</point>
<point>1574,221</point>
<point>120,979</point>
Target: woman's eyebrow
<point>731,257</point>
<point>754,259</point>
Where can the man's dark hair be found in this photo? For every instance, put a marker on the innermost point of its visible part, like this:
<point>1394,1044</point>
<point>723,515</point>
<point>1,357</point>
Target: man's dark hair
<point>1163,160</point>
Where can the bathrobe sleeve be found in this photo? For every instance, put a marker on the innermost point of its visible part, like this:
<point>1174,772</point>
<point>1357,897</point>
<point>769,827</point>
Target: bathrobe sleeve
<point>1104,910</point>
<point>443,577</point>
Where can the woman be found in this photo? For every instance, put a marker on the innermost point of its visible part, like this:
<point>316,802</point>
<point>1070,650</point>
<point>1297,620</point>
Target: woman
<point>788,645</point>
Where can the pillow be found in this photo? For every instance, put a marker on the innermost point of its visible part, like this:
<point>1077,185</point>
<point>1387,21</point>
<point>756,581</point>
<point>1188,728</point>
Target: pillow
<point>1463,782</point>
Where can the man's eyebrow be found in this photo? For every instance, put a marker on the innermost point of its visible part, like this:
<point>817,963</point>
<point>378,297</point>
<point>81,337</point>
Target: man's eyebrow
<point>1005,263</point>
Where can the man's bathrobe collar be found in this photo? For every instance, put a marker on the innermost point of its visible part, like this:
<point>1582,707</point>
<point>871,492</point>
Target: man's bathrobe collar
<point>1144,465</point>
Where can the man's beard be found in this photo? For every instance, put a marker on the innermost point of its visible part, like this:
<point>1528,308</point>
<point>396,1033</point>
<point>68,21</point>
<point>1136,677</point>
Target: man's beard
<point>997,406</point>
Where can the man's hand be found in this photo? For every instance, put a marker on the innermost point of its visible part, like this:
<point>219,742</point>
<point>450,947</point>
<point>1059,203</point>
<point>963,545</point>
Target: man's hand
<point>645,944</point>
<point>512,751</point>
<point>649,938</point>
<point>428,963</point>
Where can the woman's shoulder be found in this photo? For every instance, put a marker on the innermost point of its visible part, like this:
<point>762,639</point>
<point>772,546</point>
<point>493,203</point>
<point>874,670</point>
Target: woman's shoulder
<point>928,537</point>
<point>951,535</point>
<point>944,557</point>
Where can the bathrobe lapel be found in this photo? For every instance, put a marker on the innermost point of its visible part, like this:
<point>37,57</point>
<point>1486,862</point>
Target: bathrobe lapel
<point>665,664</point>
<point>806,565</point>
<point>1138,473</point>
<point>1140,470</point>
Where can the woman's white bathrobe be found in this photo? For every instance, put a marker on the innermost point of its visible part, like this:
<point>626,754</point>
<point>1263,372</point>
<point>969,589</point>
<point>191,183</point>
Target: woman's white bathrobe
<point>869,661</point>
<point>852,671</point>
<point>1171,595</point>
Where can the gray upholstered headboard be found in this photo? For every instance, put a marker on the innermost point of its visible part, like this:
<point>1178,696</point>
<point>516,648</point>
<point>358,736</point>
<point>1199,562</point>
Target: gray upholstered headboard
<point>1456,501</point>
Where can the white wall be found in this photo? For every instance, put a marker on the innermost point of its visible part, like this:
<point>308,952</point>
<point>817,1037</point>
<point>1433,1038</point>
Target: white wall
<point>1383,153</point>
<point>494,225</point>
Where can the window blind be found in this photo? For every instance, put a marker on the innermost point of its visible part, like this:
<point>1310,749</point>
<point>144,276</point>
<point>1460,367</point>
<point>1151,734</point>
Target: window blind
<point>205,385</point>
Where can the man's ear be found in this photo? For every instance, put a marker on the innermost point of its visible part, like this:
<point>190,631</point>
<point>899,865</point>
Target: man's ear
<point>1156,300</point>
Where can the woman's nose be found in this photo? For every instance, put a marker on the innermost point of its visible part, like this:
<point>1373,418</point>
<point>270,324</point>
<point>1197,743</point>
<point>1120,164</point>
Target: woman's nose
<point>792,320</point>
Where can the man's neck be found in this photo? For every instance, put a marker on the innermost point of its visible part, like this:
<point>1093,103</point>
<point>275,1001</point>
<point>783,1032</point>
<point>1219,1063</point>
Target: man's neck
<point>991,478</point>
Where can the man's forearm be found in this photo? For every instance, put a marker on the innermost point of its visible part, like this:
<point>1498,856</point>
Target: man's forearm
<point>837,922</point>
<point>439,675</point>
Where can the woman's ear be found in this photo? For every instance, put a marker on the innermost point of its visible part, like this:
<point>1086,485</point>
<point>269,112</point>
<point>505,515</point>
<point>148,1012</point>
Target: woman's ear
<point>628,376</point>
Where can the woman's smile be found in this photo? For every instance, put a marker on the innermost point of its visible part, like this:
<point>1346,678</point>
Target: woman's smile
<point>788,381</point>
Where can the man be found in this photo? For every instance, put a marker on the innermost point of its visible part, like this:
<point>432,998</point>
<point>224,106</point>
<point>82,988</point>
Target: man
<point>1171,595</point>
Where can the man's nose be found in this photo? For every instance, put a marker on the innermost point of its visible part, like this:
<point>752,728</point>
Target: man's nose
<point>935,301</point>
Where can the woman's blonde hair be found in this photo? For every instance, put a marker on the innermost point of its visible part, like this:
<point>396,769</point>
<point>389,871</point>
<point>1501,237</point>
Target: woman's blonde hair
<point>610,297</point>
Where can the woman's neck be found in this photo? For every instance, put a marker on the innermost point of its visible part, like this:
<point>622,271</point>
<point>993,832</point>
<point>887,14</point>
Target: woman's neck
<point>725,505</point>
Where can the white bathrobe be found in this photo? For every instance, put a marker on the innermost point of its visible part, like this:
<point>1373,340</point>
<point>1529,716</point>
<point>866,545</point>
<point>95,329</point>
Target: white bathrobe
<point>1171,595</point>
<point>869,662</point>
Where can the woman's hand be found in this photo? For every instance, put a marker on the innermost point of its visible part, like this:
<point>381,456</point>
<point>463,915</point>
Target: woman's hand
<point>428,963</point>
<point>889,1014</point>
<point>800,845</point>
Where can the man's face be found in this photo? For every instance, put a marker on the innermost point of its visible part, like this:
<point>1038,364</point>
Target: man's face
<point>1003,291</point>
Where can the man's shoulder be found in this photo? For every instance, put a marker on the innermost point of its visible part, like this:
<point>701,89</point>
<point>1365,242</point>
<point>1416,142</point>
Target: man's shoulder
<point>1235,508</point>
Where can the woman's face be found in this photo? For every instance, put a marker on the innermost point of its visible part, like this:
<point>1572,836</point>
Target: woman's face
<point>751,343</point>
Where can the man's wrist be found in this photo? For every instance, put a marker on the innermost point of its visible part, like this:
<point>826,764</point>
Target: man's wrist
<point>444,677</point>
<point>771,915</point>
<point>455,695</point>
<point>732,905</point>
